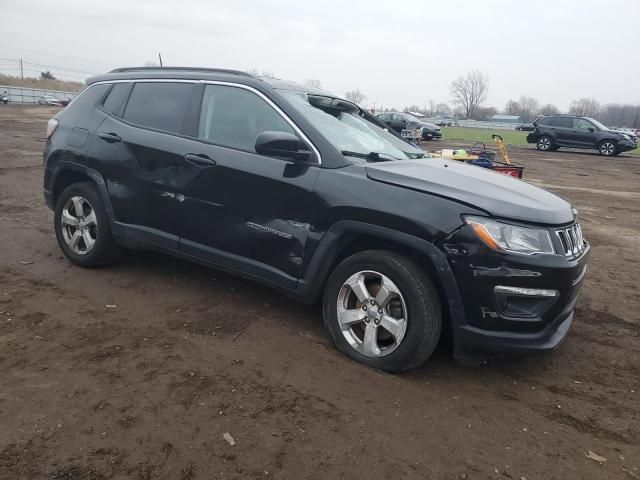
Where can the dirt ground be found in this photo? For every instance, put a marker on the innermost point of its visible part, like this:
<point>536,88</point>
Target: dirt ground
<point>137,370</point>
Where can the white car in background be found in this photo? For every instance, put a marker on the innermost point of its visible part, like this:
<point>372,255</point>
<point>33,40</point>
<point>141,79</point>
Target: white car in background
<point>49,100</point>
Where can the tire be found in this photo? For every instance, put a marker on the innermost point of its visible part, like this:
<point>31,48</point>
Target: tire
<point>607,148</point>
<point>545,144</point>
<point>393,335</point>
<point>84,238</point>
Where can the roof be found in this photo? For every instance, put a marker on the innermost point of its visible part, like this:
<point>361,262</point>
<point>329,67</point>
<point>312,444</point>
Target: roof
<point>183,73</point>
<point>201,73</point>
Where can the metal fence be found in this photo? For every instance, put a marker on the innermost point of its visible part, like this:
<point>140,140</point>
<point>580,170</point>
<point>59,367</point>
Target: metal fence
<point>486,124</point>
<point>32,95</point>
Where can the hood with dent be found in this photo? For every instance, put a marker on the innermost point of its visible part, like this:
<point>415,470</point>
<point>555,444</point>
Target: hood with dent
<point>495,193</point>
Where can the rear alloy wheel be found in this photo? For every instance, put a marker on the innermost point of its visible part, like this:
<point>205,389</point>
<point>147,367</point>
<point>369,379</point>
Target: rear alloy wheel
<point>607,148</point>
<point>545,144</point>
<point>82,227</point>
<point>79,225</point>
<point>382,310</point>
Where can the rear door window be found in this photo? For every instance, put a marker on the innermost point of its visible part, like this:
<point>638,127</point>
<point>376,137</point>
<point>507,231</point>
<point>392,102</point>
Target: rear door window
<point>234,117</point>
<point>159,105</point>
<point>562,122</point>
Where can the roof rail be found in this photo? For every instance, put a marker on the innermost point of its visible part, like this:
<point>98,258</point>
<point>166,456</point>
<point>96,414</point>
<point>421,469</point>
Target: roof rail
<point>180,69</point>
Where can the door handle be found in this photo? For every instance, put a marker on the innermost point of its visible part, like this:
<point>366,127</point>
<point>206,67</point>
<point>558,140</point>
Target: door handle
<point>199,160</point>
<point>110,137</point>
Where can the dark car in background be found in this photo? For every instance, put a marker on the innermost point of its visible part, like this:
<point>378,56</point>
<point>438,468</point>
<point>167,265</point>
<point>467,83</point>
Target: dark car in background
<point>526,127</point>
<point>405,121</point>
<point>555,131</point>
<point>311,194</point>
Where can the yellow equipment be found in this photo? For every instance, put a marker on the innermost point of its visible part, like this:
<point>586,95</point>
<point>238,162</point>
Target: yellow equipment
<point>502,148</point>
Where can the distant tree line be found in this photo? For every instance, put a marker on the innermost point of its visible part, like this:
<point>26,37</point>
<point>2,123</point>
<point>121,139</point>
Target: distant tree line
<point>469,92</point>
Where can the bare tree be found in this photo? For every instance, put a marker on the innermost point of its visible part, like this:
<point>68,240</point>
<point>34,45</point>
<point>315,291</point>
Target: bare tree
<point>355,96</point>
<point>482,113</point>
<point>313,83</point>
<point>528,107</point>
<point>470,91</point>
<point>443,109</point>
<point>586,107</point>
<point>548,109</point>
<point>47,75</point>
<point>432,108</point>
<point>512,108</point>
<point>256,73</point>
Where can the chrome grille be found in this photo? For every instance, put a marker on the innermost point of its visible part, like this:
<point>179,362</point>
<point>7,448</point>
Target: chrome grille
<point>571,240</point>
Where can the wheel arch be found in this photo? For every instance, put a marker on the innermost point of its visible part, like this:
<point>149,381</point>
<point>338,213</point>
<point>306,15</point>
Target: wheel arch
<point>346,238</point>
<point>66,173</point>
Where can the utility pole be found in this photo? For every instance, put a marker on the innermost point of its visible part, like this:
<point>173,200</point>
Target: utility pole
<point>21,70</point>
<point>160,58</point>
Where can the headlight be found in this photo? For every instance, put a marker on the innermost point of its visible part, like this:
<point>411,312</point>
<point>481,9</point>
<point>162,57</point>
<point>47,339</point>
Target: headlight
<point>626,137</point>
<point>504,237</point>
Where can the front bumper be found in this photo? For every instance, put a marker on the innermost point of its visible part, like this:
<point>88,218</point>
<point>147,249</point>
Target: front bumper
<point>431,134</point>
<point>626,145</point>
<point>498,320</point>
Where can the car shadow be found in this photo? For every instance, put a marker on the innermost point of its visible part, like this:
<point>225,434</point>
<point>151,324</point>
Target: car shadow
<point>195,280</point>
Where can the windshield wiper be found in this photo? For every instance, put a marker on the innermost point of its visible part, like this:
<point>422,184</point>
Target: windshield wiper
<point>371,156</point>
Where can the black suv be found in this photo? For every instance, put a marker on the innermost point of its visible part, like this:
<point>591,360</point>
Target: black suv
<point>555,131</point>
<point>401,121</point>
<point>313,195</point>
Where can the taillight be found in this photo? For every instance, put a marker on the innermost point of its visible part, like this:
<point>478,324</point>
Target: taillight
<point>51,127</point>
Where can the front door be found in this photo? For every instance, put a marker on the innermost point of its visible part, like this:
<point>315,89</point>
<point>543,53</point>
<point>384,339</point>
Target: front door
<point>244,210</point>
<point>398,122</point>
<point>584,133</point>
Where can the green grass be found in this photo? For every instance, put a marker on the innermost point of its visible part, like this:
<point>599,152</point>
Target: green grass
<point>511,137</point>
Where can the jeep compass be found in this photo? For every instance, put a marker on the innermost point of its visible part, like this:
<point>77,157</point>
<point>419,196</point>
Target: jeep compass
<point>312,195</point>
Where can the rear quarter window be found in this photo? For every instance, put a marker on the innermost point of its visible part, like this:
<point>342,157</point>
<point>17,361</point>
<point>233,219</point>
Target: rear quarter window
<point>159,105</point>
<point>83,103</point>
<point>115,97</point>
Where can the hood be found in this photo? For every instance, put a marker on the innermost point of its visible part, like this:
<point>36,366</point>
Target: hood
<point>495,193</point>
<point>431,126</point>
<point>620,132</point>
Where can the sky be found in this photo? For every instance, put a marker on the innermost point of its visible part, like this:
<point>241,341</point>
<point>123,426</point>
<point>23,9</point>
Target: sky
<point>397,53</point>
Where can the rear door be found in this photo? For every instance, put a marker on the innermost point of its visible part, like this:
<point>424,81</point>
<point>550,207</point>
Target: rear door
<point>141,151</point>
<point>247,211</point>
<point>563,130</point>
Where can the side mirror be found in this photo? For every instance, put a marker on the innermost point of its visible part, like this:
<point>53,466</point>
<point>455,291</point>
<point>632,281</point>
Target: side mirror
<point>282,145</point>
<point>591,129</point>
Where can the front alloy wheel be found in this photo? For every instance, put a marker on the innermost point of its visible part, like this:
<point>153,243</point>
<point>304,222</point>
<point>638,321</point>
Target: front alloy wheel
<point>79,225</point>
<point>607,149</point>
<point>381,309</point>
<point>372,313</point>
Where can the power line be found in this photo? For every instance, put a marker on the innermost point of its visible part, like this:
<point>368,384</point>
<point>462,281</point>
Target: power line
<point>59,68</point>
<point>75,59</point>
